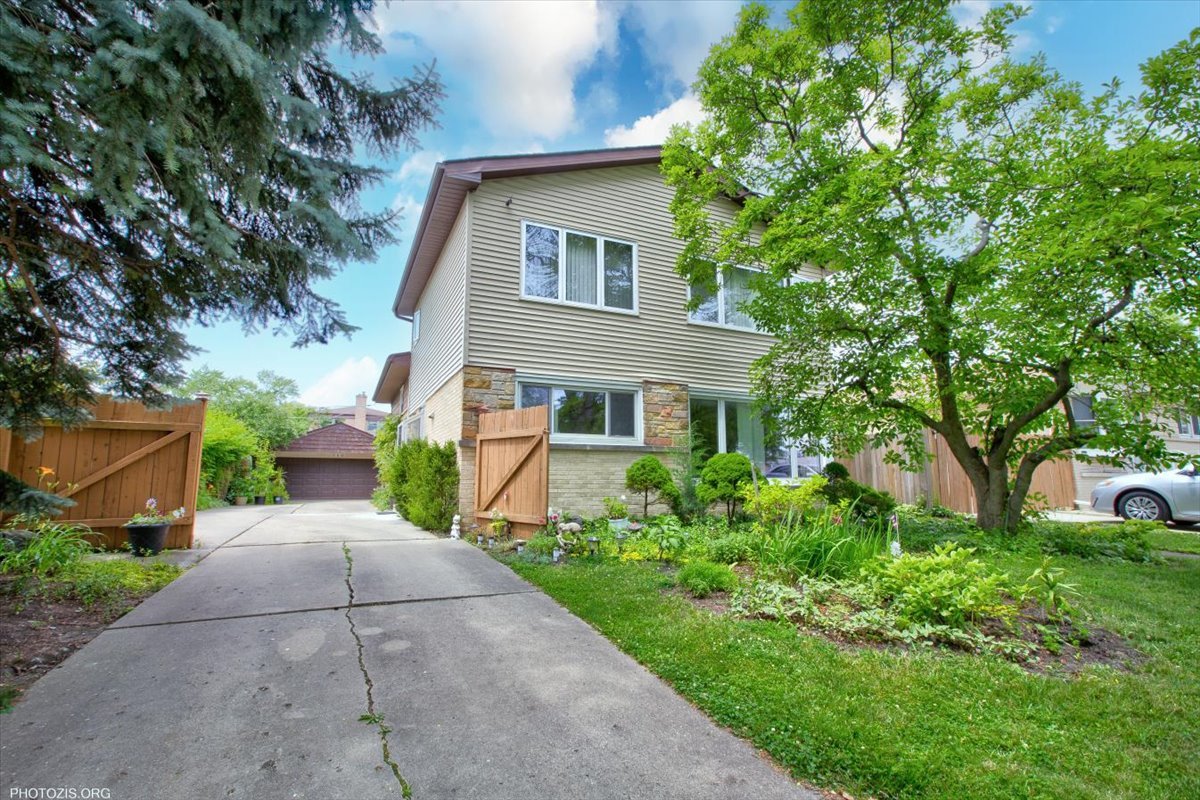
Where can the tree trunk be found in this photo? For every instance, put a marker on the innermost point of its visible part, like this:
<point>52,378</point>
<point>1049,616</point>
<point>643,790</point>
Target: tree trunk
<point>994,501</point>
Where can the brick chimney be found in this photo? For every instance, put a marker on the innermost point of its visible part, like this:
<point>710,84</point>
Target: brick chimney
<point>360,411</point>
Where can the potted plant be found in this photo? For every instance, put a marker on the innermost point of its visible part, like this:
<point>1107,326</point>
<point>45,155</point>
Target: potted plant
<point>617,513</point>
<point>240,488</point>
<point>278,486</point>
<point>260,478</point>
<point>147,529</point>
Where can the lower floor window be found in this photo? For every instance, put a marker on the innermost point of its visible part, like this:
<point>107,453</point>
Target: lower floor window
<point>732,426</point>
<point>412,428</point>
<point>583,411</point>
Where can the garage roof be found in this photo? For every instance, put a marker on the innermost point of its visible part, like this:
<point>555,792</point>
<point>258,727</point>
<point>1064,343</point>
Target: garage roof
<point>333,441</point>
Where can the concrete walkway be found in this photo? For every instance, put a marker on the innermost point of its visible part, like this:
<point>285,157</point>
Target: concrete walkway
<point>324,651</point>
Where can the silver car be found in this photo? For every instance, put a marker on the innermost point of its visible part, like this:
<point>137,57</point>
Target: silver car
<point>1172,495</point>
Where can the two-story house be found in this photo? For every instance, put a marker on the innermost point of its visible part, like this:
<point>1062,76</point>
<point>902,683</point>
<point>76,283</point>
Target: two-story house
<point>550,279</point>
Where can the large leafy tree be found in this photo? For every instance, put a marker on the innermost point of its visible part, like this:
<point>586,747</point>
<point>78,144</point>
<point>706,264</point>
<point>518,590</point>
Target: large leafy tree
<point>266,405</point>
<point>995,240</point>
<point>167,162</point>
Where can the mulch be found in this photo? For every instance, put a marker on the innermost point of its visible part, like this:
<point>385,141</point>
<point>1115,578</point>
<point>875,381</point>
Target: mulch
<point>38,633</point>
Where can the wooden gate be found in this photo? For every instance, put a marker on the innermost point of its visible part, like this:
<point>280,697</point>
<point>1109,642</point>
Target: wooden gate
<point>512,468</point>
<point>111,465</point>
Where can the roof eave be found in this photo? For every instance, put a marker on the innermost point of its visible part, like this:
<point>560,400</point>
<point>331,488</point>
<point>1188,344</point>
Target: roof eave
<point>453,180</point>
<point>393,375</point>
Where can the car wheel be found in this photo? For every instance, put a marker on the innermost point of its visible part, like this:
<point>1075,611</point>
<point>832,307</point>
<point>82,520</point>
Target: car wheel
<point>1145,506</point>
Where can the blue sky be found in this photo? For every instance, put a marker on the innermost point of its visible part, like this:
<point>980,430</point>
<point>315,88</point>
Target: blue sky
<point>545,76</point>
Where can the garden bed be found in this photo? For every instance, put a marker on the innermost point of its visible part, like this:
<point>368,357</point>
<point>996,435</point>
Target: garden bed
<point>43,620</point>
<point>922,722</point>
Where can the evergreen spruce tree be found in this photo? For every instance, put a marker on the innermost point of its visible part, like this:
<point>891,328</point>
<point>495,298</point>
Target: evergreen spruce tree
<point>167,162</point>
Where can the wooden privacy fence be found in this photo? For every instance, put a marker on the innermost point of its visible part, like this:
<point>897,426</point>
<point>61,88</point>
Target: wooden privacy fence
<point>945,482</point>
<point>111,465</point>
<point>512,468</point>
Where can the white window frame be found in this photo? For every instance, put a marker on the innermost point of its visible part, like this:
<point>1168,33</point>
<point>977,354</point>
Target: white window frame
<point>416,326</point>
<point>1190,429</point>
<point>588,385</point>
<point>562,284</point>
<point>721,323</point>
<point>721,399</point>
<point>419,419</point>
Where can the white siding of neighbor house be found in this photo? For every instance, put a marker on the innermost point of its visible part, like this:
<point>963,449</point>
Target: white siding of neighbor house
<point>659,343</point>
<point>438,352</point>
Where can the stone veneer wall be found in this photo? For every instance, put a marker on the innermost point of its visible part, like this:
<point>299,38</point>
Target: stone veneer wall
<point>485,389</point>
<point>664,413</point>
<point>580,478</point>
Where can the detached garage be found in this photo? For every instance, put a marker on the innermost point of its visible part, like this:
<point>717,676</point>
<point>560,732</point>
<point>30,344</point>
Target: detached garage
<point>331,463</point>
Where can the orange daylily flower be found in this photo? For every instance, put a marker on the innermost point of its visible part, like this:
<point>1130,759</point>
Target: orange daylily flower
<point>45,471</point>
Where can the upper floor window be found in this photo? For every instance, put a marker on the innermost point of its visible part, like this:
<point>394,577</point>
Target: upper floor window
<point>584,269</point>
<point>586,411</point>
<point>726,306</point>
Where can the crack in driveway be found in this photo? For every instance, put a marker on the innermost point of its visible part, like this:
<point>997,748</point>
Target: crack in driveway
<point>371,717</point>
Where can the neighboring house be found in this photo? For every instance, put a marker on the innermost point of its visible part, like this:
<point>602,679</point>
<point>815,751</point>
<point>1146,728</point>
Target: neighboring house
<point>336,462</point>
<point>358,415</point>
<point>550,279</point>
<point>1183,436</point>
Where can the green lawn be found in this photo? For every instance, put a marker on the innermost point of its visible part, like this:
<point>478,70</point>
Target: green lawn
<point>1177,540</point>
<point>926,724</point>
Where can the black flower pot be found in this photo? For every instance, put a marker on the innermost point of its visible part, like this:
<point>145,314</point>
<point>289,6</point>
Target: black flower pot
<point>147,540</point>
<point>278,499</point>
<point>260,499</point>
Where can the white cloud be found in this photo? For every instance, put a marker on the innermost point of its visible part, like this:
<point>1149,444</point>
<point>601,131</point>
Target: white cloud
<point>653,129</point>
<point>339,386</point>
<point>676,37</point>
<point>419,165</point>
<point>518,60</point>
<point>969,13</point>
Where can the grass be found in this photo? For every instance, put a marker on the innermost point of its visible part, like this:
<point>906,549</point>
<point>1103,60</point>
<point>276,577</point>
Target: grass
<point>923,724</point>
<point>1175,540</point>
<point>115,585</point>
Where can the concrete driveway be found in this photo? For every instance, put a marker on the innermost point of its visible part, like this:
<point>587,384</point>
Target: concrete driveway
<point>324,651</point>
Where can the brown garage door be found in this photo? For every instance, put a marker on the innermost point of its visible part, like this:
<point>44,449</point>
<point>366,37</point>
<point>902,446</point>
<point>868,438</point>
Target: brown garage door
<point>329,478</point>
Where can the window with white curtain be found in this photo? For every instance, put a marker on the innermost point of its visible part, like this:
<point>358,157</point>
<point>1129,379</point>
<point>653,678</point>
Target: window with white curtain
<point>579,268</point>
<point>725,307</point>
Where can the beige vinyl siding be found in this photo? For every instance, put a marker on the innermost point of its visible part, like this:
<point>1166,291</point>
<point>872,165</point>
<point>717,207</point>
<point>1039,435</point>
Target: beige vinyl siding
<point>659,343</point>
<point>438,352</point>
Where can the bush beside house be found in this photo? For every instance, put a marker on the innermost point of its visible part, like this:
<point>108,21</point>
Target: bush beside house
<point>417,478</point>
